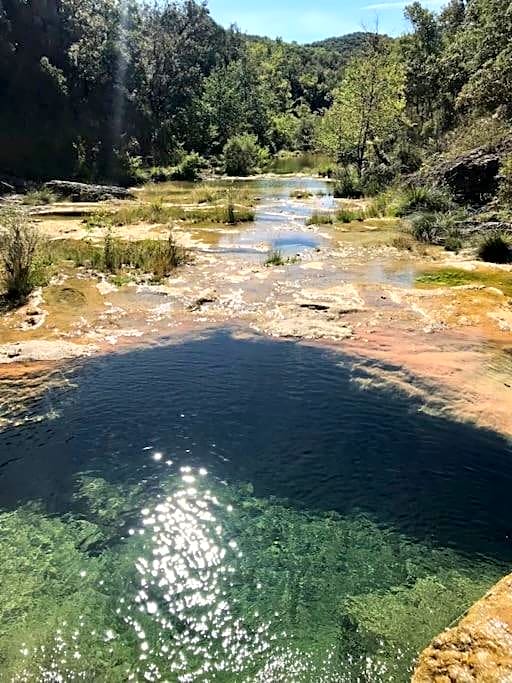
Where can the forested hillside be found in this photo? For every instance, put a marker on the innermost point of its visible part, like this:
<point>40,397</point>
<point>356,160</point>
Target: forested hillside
<point>89,85</point>
<point>98,89</point>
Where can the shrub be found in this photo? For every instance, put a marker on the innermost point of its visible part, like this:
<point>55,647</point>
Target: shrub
<point>243,156</point>
<point>19,242</point>
<point>495,248</point>
<point>425,228</point>
<point>38,197</point>
<point>189,168</point>
<point>436,227</point>
<point>376,178</point>
<point>422,198</point>
<point>318,218</point>
<point>402,242</point>
<point>274,258</point>
<point>128,169</point>
<point>111,253</point>
<point>453,241</point>
<point>347,185</point>
<point>161,174</point>
<point>348,216</point>
<point>381,205</point>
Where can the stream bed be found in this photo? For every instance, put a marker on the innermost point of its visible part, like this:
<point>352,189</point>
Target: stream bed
<point>237,509</point>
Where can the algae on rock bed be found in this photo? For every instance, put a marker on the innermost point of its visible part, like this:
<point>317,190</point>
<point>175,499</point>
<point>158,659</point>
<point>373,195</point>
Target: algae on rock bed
<point>212,583</point>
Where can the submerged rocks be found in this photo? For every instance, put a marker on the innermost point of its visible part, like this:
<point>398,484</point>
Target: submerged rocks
<point>478,649</point>
<point>83,192</point>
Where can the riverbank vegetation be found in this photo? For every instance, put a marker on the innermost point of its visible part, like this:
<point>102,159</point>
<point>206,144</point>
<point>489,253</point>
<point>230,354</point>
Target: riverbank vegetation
<point>422,122</point>
<point>29,260</point>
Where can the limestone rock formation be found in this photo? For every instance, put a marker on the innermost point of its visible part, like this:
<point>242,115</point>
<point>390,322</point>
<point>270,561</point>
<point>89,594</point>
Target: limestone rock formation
<point>83,192</point>
<point>479,649</point>
<point>473,177</point>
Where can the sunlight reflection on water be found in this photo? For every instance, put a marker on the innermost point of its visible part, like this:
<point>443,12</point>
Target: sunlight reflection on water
<point>182,616</point>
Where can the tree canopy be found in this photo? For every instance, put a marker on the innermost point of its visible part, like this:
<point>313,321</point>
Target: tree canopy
<point>87,86</point>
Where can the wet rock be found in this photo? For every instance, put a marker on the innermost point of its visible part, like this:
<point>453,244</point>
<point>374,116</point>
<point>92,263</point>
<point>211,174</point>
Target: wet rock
<point>208,297</point>
<point>339,299</point>
<point>294,322</point>
<point>83,192</point>
<point>43,350</point>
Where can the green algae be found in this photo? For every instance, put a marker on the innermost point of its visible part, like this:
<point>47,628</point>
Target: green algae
<point>457,277</point>
<point>267,592</point>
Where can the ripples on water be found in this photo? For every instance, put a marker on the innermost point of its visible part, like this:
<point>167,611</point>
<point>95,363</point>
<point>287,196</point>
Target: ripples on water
<point>227,510</point>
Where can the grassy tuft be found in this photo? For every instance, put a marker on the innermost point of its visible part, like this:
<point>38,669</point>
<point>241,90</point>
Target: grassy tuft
<point>422,198</point>
<point>495,248</point>
<point>318,218</point>
<point>39,197</point>
<point>275,258</point>
<point>402,243</point>
<point>115,256</point>
<point>19,247</point>
<point>437,228</point>
<point>349,216</point>
<point>158,213</point>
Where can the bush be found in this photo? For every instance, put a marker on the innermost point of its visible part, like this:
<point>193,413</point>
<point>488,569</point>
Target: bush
<point>376,178</point>
<point>425,227</point>
<point>19,242</point>
<point>128,169</point>
<point>161,174</point>
<point>453,241</point>
<point>495,248</point>
<point>347,185</point>
<point>189,168</point>
<point>38,197</point>
<point>348,216</point>
<point>423,198</point>
<point>437,228</point>
<point>317,218</point>
<point>275,258</point>
<point>243,156</point>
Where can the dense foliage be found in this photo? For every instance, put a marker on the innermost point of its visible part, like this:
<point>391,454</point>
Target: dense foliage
<point>103,88</point>
<point>97,88</point>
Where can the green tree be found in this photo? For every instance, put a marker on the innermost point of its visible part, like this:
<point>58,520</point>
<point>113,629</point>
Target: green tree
<point>368,105</point>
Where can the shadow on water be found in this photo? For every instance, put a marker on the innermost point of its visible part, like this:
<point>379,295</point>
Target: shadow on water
<point>292,420</point>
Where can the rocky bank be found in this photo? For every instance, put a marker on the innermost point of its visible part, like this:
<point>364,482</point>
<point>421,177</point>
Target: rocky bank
<point>479,649</point>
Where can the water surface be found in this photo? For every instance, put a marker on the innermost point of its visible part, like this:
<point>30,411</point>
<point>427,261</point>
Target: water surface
<point>257,510</point>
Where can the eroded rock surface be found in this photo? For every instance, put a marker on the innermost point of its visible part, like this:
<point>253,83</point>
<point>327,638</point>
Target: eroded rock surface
<point>479,649</point>
<point>83,192</point>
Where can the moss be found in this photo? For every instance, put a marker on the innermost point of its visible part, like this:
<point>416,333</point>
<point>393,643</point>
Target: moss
<point>455,277</point>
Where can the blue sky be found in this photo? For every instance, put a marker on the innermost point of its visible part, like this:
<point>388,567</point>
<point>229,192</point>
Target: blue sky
<point>309,20</point>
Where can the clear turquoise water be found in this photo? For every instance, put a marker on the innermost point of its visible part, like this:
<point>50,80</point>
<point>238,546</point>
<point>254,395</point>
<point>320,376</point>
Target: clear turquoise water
<point>227,510</point>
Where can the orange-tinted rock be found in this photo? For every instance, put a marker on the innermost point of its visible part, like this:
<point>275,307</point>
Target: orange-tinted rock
<point>479,649</point>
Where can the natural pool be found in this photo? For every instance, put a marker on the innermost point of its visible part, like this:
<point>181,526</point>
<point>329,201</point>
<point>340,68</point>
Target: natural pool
<point>227,509</point>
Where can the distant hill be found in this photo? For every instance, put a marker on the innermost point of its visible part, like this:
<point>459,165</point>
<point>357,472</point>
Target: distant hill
<point>346,46</point>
